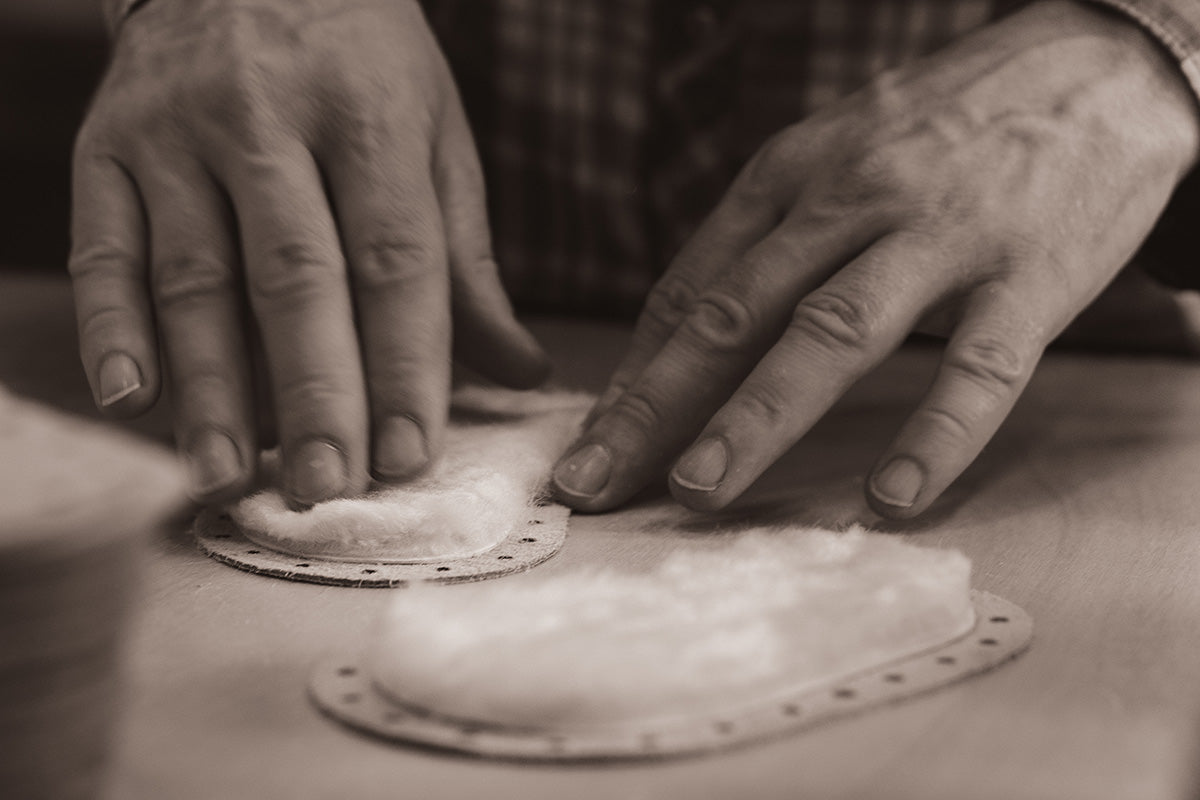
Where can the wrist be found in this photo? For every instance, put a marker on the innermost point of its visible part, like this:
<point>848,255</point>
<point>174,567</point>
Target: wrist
<point>1167,100</point>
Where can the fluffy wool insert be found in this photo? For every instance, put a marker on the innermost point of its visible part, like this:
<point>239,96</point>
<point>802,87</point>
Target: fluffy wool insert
<point>499,449</point>
<point>708,631</point>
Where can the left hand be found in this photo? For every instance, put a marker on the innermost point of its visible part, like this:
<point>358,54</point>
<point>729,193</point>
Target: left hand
<point>988,192</point>
<point>278,203</point>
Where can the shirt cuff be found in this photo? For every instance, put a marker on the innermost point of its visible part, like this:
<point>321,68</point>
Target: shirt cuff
<point>1174,23</point>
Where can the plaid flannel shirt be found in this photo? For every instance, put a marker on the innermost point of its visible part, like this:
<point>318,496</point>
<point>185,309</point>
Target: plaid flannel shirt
<point>609,128</point>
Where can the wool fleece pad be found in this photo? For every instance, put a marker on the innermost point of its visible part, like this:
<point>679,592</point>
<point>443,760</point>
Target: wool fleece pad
<point>715,646</point>
<point>486,488</point>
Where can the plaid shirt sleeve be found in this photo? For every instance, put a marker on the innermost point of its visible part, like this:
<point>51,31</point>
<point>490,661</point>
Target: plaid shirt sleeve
<point>1168,254</point>
<point>1175,23</point>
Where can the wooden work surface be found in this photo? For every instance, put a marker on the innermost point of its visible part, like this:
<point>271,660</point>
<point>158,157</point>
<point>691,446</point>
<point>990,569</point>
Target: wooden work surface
<point>1084,511</point>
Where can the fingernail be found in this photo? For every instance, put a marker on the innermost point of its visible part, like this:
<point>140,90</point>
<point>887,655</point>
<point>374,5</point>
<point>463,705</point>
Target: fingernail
<point>119,378</point>
<point>318,472</point>
<point>213,462</point>
<point>585,472</point>
<point>703,467</point>
<point>400,450</point>
<point>899,482</point>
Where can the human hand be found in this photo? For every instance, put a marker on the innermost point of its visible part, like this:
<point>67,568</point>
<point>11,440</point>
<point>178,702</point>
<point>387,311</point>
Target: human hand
<point>299,172</point>
<point>988,193</point>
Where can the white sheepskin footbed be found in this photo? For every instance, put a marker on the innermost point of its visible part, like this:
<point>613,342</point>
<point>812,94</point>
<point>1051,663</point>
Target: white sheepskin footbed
<point>499,450</point>
<point>709,630</point>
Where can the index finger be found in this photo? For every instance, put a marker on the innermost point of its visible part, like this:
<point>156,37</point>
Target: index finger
<point>108,268</point>
<point>742,218</point>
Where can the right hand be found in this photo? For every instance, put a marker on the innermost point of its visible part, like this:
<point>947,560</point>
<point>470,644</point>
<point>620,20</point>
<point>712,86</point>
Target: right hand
<point>299,172</point>
<point>987,193</point>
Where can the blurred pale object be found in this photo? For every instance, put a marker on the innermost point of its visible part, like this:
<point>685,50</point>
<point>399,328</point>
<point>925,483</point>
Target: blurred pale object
<point>76,502</point>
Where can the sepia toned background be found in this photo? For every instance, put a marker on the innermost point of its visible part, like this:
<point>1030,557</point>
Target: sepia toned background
<point>51,55</point>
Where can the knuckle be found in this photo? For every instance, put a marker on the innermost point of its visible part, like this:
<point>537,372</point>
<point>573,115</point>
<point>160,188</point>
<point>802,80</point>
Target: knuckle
<point>103,322</point>
<point>834,321</point>
<point>394,376</point>
<point>990,363</point>
<point>868,178</point>
<point>153,125</point>
<point>721,322</point>
<point>314,391</point>
<point>469,170</point>
<point>359,129</point>
<point>89,139</point>
<point>475,270</point>
<point>122,118</point>
<point>953,422</point>
<point>102,258</point>
<point>1041,263</point>
<point>763,405</point>
<point>246,65</point>
<point>667,305</point>
<point>882,97</point>
<point>189,278</point>
<point>236,97</point>
<point>637,411</point>
<point>868,174</point>
<point>364,128</point>
<point>780,150</point>
<point>392,261</point>
<point>759,182</point>
<point>291,270</point>
<point>206,380</point>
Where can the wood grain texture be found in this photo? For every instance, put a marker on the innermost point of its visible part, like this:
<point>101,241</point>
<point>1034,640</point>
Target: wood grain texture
<point>1084,511</point>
